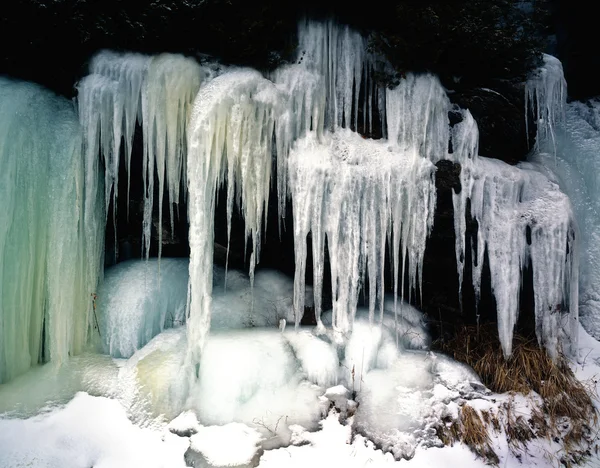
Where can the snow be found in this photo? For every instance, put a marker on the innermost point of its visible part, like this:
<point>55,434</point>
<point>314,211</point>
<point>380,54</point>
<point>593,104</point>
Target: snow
<point>215,445</point>
<point>88,431</point>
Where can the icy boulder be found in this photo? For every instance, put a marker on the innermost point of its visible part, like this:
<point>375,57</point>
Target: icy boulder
<point>138,300</point>
<point>233,445</point>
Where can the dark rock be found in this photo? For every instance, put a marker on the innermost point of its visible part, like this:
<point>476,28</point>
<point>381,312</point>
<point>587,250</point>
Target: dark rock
<point>500,116</point>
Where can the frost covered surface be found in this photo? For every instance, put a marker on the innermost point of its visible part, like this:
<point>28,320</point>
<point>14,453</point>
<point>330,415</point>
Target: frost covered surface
<point>154,92</point>
<point>356,193</point>
<point>235,304</point>
<point>50,230</point>
<point>136,302</point>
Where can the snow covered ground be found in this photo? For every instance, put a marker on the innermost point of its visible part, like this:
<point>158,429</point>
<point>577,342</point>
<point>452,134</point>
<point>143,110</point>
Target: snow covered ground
<point>399,398</point>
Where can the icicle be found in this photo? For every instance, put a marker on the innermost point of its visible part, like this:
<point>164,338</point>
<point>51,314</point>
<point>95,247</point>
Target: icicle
<point>229,138</point>
<point>508,201</point>
<point>157,93</point>
<point>546,94</point>
<point>354,191</point>
<point>465,148</point>
<point>417,116</point>
<point>51,224</point>
<point>339,55</point>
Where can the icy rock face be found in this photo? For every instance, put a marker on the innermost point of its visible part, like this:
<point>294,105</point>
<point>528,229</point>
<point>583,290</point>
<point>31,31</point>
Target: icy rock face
<point>136,302</point>
<point>51,226</point>
<point>576,165</point>
<point>123,90</point>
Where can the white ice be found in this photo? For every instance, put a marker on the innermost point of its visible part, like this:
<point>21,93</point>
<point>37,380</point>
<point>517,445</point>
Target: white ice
<point>136,302</point>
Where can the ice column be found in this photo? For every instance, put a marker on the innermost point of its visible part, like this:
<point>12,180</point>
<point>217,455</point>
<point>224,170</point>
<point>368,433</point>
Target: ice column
<point>229,139</point>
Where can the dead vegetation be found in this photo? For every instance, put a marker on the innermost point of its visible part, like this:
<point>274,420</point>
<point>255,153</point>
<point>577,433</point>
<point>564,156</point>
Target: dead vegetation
<point>563,413</point>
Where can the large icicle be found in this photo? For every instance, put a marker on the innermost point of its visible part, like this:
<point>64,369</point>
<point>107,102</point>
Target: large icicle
<point>157,93</point>
<point>339,55</point>
<point>51,219</point>
<point>417,116</point>
<point>523,215</point>
<point>357,193</point>
<point>545,98</point>
<point>229,138</point>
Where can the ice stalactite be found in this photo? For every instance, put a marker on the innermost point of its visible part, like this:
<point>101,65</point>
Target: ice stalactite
<point>230,137</point>
<point>339,55</point>
<point>51,219</point>
<point>357,193</point>
<point>156,93</point>
<point>417,116</point>
<point>545,99</point>
<point>522,216</point>
<point>465,149</point>
<point>304,111</point>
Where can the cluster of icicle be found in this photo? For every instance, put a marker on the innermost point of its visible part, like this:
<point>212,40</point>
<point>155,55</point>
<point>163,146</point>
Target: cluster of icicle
<point>523,220</point>
<point>51,230</point>
<point>125,90</point>
<point>354,196</point>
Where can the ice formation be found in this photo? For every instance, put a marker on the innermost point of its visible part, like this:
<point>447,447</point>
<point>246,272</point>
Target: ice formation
<point>523,216</point>
<point>357,193</point>
<point>123,90</point>
<point>568,145</point>
<point>50,230</point>
<point>230,138</point>
<point>134,306</point>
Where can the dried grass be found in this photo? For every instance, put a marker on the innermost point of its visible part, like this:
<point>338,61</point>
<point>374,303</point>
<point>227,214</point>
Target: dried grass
<point>567,412</point>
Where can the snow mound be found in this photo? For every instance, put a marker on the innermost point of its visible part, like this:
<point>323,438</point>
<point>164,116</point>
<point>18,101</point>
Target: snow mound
<point>232,445</point>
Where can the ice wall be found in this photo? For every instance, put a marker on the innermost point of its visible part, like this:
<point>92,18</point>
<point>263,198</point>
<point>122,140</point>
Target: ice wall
<point>568,144</point>
<point>51,225</point>
<point>123,90</point>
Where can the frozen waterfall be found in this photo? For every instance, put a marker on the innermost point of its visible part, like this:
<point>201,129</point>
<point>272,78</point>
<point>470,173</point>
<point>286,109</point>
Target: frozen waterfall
<point>51,226</point>
<point>360,201</point>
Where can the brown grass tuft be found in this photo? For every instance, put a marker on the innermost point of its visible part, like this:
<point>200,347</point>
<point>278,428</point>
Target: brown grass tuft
<point>567,412</point>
